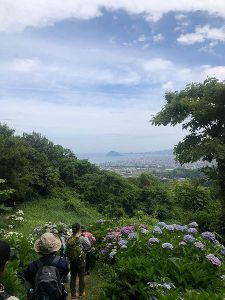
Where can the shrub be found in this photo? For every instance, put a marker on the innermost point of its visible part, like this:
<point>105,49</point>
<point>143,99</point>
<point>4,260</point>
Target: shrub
<point>164,262</point>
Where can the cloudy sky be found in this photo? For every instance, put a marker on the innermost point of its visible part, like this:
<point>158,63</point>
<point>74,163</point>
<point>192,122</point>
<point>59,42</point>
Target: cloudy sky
<point>89,74</point>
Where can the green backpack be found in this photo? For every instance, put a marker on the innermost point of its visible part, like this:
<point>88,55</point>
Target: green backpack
<point>73,249</point>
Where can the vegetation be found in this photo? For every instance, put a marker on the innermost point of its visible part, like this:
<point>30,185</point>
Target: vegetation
<point>164,261</point>
<point>200,108</point>
<point>47,176</point>
<point>44,186</point>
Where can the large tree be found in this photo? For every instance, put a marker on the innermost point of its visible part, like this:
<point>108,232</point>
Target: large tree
<point>200,107</point>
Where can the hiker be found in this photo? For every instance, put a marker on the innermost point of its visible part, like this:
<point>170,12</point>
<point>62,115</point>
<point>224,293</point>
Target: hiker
<point>46,275</point>
<point>76,247</point>
<point>89,251</point>
<point>4,257</point>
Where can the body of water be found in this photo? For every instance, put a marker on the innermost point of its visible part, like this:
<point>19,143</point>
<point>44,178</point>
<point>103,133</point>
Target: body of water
<point>99,158</point>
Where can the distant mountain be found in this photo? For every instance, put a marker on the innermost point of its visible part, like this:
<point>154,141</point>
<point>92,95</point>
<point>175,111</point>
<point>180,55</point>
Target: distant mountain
<point>113,153</point>
<point>159,152</point>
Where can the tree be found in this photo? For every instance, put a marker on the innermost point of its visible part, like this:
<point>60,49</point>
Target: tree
<point>200,107</point>
<point>4,195</point>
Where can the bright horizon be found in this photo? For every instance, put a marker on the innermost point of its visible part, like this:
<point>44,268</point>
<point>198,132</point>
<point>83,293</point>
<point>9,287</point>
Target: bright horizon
<point>89,75</point>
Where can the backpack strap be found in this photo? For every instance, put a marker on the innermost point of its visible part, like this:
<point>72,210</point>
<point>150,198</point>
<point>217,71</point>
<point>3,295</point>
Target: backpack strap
<point>55,260</point>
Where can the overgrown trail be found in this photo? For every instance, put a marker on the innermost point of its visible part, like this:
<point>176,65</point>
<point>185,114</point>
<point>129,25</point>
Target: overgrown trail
<point>93,286</point>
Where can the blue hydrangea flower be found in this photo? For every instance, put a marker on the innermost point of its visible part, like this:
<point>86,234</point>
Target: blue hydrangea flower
<point>153,240</point>
<point>162,224</point>
<point>208,235</point>
<point>122,242</point>
<point>144,231</point>
<point>192,230</point>
<point>189,238</point>
<point>112,253</point>
<point>214,260</point>
<point>179,227</point>
<point>132,235</point>
<point>157,230</point>
<point>199,245</point>
<point>222,251</point>
<point>167,246</point>
<point>169,227</point>
<point>193,224</point>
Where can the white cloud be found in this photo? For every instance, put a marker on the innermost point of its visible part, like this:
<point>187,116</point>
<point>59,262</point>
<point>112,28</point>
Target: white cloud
<point>141,38</point>
<point>171,75</point>
<point>157,65</point>
<point>17,15</point>
<point>158,38</point>
<point>218,72</point>
<point>25,65</point>
<point>49,73</point>
<point>180,17</point>
<point>88,128</point>
<point>168,86</point>
<point>202,34</point>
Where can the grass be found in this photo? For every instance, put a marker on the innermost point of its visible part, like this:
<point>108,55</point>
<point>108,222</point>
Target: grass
<point>55,209</point>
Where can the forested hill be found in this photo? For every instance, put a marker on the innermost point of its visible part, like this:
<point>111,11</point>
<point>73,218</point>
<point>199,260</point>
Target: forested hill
<point>32,167</point>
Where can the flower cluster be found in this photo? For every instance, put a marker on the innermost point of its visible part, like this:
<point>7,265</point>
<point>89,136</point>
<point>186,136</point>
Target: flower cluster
<point>53,228</point>
<point>189,238</point>
<point>199,245</point>
<point>101,221</point>
<point>167,246</point>
<point>18,217</point>
<point>153,241</point>
<point>157,230</point>
<point>164,236</point>
<point>192,230</point>
<point>119,239</point>
<point>208,235</point>
<point>214,260</point>
<point>165,285</point>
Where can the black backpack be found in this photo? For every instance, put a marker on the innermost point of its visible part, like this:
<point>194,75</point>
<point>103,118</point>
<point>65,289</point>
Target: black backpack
<point>48,285</point>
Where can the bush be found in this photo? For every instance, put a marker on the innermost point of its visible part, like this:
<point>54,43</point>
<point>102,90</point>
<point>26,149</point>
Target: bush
<point>168,262</point>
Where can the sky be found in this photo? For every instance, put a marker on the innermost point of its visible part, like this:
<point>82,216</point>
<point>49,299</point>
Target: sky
<point>90,74</point>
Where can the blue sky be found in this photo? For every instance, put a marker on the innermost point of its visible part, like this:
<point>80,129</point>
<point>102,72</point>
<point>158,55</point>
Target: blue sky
<point>90,74</point>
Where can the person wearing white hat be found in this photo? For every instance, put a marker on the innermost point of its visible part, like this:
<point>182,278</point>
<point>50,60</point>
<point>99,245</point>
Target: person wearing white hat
<point>47,246</point>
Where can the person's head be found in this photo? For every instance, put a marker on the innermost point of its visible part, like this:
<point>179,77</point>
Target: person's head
<point>76,228</point>
<point>48,243</point>
<point>4,254</point>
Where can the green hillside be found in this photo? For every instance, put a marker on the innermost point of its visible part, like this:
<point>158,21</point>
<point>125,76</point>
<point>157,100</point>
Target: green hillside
<point>63,207</point>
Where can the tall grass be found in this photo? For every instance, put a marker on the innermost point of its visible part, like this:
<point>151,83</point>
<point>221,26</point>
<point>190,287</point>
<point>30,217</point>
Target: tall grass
<point>63,206</point>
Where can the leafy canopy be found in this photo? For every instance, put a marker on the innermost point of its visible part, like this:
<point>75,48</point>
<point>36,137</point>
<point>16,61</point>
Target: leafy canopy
<point>200,107</point>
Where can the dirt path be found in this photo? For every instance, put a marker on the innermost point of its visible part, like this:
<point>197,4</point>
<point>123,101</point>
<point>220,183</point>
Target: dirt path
<point>92,289</point>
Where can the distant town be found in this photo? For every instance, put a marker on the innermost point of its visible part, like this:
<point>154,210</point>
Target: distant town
<point>161,164</point>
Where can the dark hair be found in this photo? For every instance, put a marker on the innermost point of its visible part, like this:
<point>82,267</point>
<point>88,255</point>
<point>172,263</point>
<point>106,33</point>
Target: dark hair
<point>4,253</point>
<point>76,227</point>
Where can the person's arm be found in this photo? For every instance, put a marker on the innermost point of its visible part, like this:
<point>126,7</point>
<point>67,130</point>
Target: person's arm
<point>63,267</point>
<point>29,275</point>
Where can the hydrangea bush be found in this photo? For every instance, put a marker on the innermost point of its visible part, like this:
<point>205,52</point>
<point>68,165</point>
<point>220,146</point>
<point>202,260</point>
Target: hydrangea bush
<point>22,253</point>
<point>168,261</point>
<point>55,228</point>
